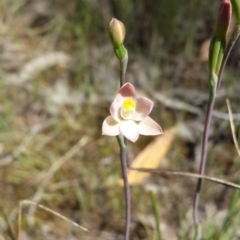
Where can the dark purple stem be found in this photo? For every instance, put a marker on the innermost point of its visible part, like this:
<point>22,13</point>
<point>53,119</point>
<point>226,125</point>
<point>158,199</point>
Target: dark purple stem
<point>203,156</point>
<point>208,122</point>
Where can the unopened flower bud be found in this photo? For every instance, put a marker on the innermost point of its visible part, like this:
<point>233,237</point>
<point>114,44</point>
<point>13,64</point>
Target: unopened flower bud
<point>218,42</point>
<point>224,19</point>
<point>117,32</point>
<point>236,9</point>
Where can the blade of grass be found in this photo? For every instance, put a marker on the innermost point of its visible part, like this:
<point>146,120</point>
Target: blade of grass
<point>156,215</point>
<point>198,233</point>
<point>231,220</point>
<point>232,127</point>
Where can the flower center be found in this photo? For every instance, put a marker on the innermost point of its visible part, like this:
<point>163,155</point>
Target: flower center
<point>128,108</point>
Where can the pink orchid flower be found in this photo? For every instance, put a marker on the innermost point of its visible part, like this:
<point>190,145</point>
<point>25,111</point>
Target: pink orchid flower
<point>129,115</point>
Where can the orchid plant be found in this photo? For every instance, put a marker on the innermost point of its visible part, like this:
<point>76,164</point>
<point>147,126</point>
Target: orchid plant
<point>129,113</point>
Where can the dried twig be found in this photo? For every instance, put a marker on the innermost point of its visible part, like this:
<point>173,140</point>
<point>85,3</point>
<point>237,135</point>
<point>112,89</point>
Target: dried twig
<point>188,174</point>
<point>183,106</point>
<point>31,203</point>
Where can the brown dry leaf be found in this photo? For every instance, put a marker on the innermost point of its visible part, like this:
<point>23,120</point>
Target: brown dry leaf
<point>151,156</point>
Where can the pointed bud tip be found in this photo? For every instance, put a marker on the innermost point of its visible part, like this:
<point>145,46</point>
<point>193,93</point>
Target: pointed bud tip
<point>117,32</point>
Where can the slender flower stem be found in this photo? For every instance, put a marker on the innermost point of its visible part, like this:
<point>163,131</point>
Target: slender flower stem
<point>123,69</point>
<point>211,103</point>
<point>203,157</point>
<point>123,157</point>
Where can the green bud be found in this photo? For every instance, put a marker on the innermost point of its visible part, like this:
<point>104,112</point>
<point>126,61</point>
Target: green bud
<point>218,41</point>
<point>236,9</point>
<point>120,52</point>
<point>117,35</point>
<point>216,52</point>
<point>213,82</point>
<point>116,32</point>
<point>224,19</point>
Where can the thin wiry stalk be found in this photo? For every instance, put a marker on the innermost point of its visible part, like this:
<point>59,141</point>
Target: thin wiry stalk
<point>203,157</point>
<point>187,174</point>
<point>123,158</point>
<point>123,69</point>
<point>232,42</point>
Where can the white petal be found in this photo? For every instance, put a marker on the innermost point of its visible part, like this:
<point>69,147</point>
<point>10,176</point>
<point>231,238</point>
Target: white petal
<point>149,127</point>
<point>129,129</point>
<point>110,127</point>
<point>144,107</point>
<point>116,107</point>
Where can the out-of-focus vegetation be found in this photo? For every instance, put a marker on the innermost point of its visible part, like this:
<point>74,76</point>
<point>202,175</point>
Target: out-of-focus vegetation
<point>58,77</point>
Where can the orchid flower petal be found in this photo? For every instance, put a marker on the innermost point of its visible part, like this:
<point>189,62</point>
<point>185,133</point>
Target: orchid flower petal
<point>129,129</point>
<point>144,107</point>
<point>149,127</point>
<point>126,91</point>
<point>115,109</point>
<point>110,127</point>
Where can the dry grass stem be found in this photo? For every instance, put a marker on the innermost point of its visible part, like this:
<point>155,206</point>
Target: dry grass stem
<point>188,174</point>
<point>232,127</point>
<point>54,168</point>
<point>31,203</point>
<point>183,106</point>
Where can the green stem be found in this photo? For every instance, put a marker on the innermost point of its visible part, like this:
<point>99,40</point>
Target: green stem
<point>123,69</point>
<point>198,233</point>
